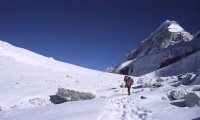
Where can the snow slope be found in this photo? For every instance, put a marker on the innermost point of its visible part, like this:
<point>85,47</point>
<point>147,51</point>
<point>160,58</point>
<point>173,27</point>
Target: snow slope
<point>26,76</point>
<point>27,80</point>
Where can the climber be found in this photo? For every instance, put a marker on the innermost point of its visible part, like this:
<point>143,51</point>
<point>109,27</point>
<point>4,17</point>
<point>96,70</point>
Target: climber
<point>128,83</point>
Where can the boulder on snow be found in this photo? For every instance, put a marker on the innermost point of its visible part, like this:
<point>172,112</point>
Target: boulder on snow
<point>196,88</point>
<point>72,95</point>
<point>181,76</point>
<point>160,80</point>
<point>164,98</point>
<point>177,95</point>
<point>193,99</point>
<point>188,79</point>
<point>148,83</point>
<point>140,81</point>
<point>56,100</point>
<point>137,86</point>
<point>142,97</point>
<point>157,84</point>
<point>66,95</point>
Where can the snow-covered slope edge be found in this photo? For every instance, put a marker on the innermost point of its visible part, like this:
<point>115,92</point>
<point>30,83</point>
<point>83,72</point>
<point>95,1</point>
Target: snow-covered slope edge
<point>13,53</point>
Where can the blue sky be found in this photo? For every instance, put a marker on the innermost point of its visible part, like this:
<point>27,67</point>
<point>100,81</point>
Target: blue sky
<point>94,34</point>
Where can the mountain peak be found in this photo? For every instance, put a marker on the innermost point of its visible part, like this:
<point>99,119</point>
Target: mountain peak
<point>163,46</point>
<point>167,34</point>
<point>167,23</point>
<point>170,22</point>
<point>169,26</point>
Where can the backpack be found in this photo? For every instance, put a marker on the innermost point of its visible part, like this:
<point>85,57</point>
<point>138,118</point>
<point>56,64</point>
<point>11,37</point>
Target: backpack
<point>132,81</point>
<point>129,82</point>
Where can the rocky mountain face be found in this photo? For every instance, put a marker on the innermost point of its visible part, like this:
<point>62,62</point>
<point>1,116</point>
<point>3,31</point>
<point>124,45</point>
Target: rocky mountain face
<point>169,45</point>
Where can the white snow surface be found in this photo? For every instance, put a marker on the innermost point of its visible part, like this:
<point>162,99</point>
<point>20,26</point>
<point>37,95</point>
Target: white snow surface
<point>27,80</point>
<point>175,28</point>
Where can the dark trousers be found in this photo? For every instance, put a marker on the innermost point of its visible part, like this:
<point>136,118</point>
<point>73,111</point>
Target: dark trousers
<point>129,87</point>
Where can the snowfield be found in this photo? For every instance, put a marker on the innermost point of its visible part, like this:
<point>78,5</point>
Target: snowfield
<point>175,28</point>
<point>28,80</point>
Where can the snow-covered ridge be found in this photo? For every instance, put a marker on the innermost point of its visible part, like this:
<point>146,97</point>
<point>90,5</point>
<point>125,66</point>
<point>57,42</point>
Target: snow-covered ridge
<point>11,52</point>
<point>18,54</point>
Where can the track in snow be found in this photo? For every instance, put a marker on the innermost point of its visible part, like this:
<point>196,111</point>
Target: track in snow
<point>123,108</point>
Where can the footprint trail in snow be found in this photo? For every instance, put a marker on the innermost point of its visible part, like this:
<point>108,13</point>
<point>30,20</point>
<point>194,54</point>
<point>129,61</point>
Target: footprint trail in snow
<point>123,108</point>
